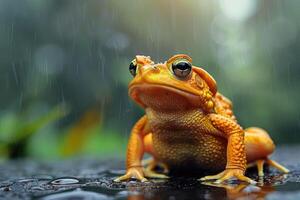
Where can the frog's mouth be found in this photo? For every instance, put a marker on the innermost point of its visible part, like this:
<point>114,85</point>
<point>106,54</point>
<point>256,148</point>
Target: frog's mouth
<point>158,96</point>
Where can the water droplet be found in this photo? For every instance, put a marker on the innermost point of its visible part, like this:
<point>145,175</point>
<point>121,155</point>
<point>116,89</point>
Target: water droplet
<point>64,181</point>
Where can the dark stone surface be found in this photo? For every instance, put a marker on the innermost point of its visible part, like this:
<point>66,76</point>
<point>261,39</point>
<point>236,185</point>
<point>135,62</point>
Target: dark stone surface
<point>92,179</point>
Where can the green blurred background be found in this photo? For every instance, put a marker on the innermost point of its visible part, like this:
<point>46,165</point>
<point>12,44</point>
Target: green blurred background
<point>64,67</point>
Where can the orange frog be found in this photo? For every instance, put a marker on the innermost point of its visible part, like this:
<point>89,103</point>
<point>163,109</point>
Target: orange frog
<point>189,125</point>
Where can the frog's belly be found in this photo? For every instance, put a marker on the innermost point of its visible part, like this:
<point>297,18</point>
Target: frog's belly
<point>187,150</point>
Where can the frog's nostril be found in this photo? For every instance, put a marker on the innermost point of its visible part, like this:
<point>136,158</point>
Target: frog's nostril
<point>155,69</point>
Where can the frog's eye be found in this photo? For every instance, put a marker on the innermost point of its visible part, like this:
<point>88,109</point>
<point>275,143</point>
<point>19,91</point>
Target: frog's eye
<point>132,68</point>
<point>182,68</point>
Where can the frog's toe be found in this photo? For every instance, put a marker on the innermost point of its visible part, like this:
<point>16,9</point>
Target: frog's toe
<point>229,174</point>
<point>225,177</point>
<point>134,172</point>
<point>246,179</point>
<point>278,166</point>
<point>207,178</point>
<point>128,176</point>
<point>122,178</point>
<point>260,166</point>
<point>235,173</point>
<point>151,174</point>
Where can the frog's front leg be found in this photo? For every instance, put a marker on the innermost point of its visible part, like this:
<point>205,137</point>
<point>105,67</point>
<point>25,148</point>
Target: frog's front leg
<point>236,154</point>
<point>135,151</point>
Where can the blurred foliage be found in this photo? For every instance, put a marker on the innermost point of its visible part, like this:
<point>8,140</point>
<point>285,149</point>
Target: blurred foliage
<point>77,135</point>
<point>15,133</point>
<point>77,53</point>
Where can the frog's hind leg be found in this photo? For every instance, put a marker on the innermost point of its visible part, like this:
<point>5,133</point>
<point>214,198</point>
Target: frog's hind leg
<point>259,146</point>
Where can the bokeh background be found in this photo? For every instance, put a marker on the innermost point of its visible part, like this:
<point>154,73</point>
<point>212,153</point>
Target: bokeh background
<point>64,67</point>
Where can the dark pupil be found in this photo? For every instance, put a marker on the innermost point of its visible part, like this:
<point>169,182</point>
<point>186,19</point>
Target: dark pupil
<point>132,69</point>
<point>183,66</point>
<point>182,69</point>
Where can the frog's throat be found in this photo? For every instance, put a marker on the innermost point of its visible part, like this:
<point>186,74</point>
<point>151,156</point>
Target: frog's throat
<point>136,90</point>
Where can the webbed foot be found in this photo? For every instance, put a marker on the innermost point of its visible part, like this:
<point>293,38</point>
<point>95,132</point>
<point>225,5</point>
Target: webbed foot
<point>277,166</point>
<point>133,172</point>
<point>140,173</point>
<point>152,174</point>
<point>260,166</point>
<point>229,174</point>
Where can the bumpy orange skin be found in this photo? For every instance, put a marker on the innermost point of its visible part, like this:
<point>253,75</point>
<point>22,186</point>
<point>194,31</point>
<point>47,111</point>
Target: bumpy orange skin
<point>188,124</point>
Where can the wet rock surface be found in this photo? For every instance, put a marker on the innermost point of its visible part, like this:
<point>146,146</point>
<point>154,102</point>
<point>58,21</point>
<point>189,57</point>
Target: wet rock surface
<point>92,179</point>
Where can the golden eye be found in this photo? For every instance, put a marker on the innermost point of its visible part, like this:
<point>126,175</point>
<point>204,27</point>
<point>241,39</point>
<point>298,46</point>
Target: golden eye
<point>132,68</point>
<point>182,68</point>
